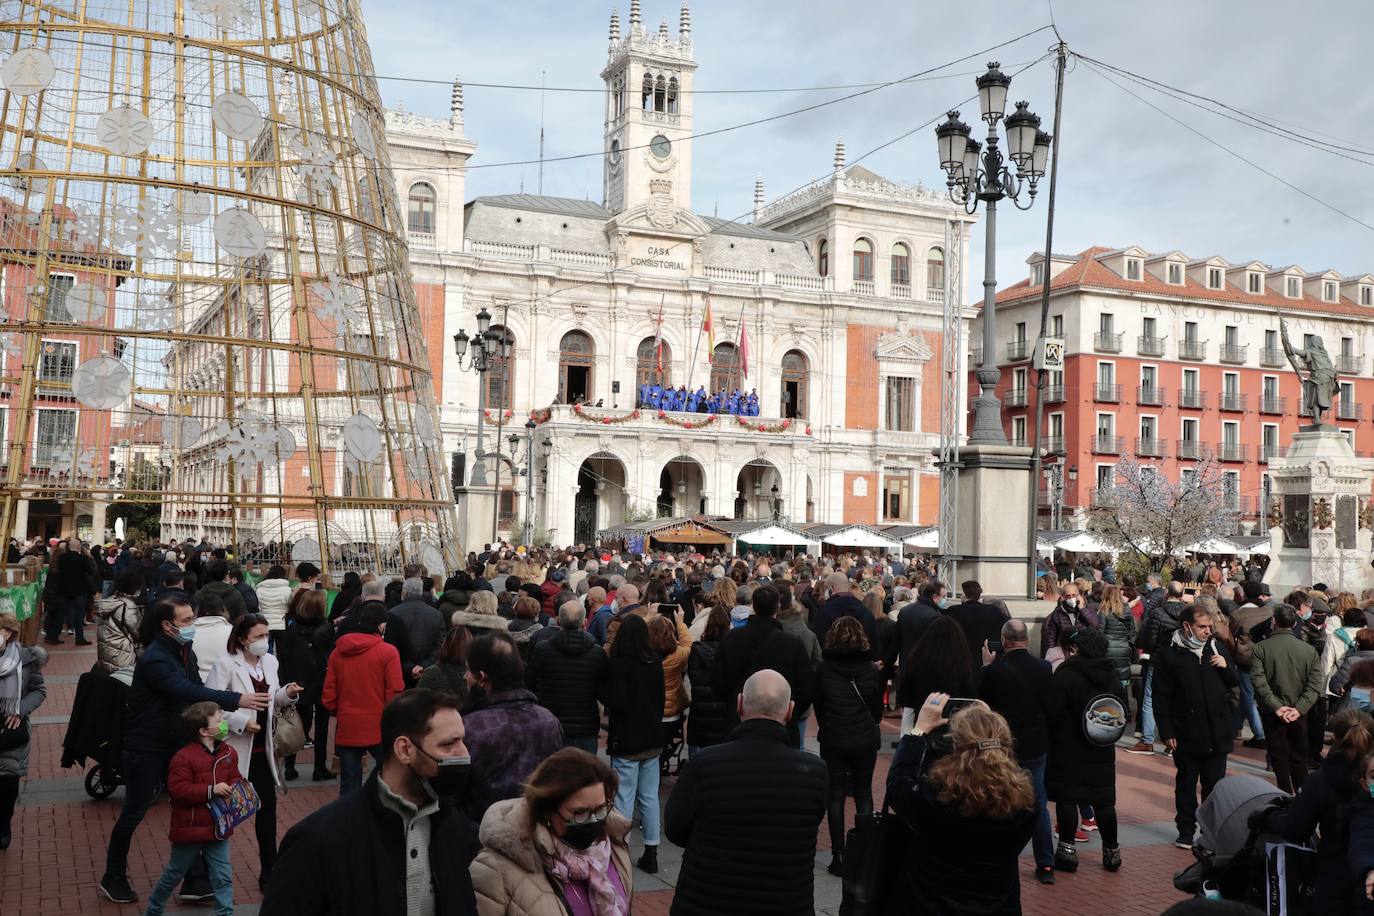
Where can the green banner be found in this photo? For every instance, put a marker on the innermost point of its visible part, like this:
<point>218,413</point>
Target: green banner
<point>20,600</point>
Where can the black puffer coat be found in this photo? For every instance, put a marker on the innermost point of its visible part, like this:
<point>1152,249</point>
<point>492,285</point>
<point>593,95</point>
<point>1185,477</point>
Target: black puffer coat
<point>848,701</point>
<point>634,706</point>
<point>706,720</point>
<point>1120,633</point>
<point>567,673</point>
<point>1323,801</point>
<point>1080,771</point>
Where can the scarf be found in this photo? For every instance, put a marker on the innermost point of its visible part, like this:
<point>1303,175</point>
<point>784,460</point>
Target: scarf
<point>11,680</point>
<point>591,865</point>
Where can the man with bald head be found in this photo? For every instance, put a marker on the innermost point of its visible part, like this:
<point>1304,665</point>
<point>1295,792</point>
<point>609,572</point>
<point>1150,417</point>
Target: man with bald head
<point>626,602</point>
<point>746,813</point>
<point>567,672</point>
<point>840,602</point>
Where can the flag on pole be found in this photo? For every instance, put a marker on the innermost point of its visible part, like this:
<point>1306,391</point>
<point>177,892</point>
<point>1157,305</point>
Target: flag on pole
<point>743,348</point>
<point>708,325</point>
<point>658,340</point>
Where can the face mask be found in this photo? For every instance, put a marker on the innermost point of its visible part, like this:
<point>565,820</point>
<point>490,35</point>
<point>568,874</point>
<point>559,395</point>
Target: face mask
<point>1193,641</point>
<point>1360,697</point>
<point>258,647</point>
<point>451,775</point>
<point>220,731</point>
<point>581,836</point>
<point>186,635</point>
<point>1071,602</point>
<point>1371,790</point>
<point>1305,615</point>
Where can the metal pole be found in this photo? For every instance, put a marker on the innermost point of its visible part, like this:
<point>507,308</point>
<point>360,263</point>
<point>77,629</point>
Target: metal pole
<point>987,420</point>
<point>1033,525</point>
<point>529,484</point>
<point>479,365</point>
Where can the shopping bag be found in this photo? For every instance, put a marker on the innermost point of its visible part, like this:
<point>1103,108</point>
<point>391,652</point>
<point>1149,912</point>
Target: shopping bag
<point>228,813</point>
<point>872,859</point>
<point>1291,878</point>
<point>288,732</point>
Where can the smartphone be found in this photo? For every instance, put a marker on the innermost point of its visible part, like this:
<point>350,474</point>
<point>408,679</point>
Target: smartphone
<point>319,585</point>
<point>995,646</point>
<point>954,704</point>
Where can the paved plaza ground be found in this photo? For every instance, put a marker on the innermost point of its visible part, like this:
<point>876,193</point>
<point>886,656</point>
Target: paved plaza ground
<point>60,833</point>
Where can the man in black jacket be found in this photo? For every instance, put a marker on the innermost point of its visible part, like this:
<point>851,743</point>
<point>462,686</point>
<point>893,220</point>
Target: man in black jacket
<point>913,619</point>
<point>76,581</point>
<point>1016,684</point>
<point>841,603</point>
<point>425,629</point>
<point>567,672</point>
<point>350,858</point>
<point>762,643</point>
<point>1195,693</point>
<point>746,813</point>
<point>980,622</point>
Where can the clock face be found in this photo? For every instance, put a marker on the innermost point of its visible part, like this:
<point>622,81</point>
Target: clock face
<point>660,146</point>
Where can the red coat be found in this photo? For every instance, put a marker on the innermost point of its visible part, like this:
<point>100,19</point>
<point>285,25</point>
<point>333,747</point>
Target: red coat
<point>550,590</point>
<point>363,674</point>
<point>193,772</point>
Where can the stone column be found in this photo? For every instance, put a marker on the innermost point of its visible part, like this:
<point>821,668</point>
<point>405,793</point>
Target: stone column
<point>994,485</point>
<point>21,519</point>
<point>98,510</point>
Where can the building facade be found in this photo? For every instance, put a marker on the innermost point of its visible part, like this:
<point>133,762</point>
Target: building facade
<point>1171,359</point>
<point>827,302</point>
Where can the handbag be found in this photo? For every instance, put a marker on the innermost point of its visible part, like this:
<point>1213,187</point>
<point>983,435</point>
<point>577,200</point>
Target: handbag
<point>228,813</point>
<point>872,860</point>
<point>11,738</point>
<point>288,732</point>
<point>1290,879</point>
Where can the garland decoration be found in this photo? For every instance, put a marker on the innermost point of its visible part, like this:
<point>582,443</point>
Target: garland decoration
<point>778,427</point>
<point>505,415</point>
<point>706,421</point>
<point>605,419</point>
<point>540,417</point>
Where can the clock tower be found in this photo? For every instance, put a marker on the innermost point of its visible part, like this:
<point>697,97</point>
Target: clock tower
<point>648,147</point>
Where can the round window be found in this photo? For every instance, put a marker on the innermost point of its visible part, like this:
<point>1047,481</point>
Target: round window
<point>660,146</point>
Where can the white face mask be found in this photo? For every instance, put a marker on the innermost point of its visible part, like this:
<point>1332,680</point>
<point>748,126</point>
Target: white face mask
<point>258,647</point>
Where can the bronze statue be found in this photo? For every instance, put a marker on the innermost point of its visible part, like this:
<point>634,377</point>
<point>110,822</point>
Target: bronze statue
<point>1320,384</point>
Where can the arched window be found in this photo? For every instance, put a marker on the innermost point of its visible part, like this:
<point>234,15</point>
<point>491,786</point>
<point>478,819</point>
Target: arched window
<point>501,376</point>
<point>901,265</point>
<point>863,260</point>
<point>935,273</point>
<point>576,356</point>
<point>823,258</point>
<point>660,94</point>
<point>651,363</point>
<point>795,374</point>
<point>647,93</point>
<point>672,96</point>
<point>421,211</point>
<point>724,367</point>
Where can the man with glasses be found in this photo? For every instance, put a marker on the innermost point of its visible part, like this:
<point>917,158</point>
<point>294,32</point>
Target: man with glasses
<point>1195,692</point>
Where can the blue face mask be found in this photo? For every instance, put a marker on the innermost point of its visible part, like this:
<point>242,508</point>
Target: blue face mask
<point>1360,697</point>
<point>186,635</point>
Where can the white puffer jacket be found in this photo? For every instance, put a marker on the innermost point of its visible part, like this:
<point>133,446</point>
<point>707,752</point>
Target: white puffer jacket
<point>273,597</point>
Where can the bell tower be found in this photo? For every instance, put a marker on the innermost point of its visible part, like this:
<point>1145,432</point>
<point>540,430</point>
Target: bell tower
<point>648,150</point>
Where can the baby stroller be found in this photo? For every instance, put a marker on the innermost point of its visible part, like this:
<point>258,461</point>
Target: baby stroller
<point>1230,854</point>
<point>96,731</point>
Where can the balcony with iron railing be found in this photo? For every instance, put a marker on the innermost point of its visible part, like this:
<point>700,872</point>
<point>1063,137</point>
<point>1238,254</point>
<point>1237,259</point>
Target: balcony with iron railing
<point>1149,346</point>
<point>1054,394</point>
<point>1272,358</point>
<point>1108,341</point>
<point>1104,444</point>
<point>1190,450</point>
<point>1234,353</point>
<point>1273,404</point>
<point>1349,364</point>
<point>1015,397</point>
<point>1053,445</point>
<point>1149,447</point>
<point>1018,349</point>
<point>1268,451</point>
<point>1191,398</point>
<point>1232,401</point>
<point>1232,451</point>
<point>1106,392</point>
<point>1192,349</point>
<point>1149,396</point>
<point>1348,410</point>
<point>1100,496</point>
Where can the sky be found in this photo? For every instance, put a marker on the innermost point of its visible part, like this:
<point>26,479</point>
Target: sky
<point>1128,174</point>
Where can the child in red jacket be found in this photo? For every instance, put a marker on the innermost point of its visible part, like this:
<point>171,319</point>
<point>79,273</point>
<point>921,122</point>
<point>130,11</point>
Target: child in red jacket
<point>203,769</point>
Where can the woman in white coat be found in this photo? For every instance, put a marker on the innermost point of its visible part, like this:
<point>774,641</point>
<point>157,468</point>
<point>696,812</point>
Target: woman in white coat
<point>248,668</point>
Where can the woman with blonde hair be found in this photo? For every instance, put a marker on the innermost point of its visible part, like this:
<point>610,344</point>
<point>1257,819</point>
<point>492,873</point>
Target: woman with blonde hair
<point>1119,627</point>
<point>724,596</point>
<point>971,812</point>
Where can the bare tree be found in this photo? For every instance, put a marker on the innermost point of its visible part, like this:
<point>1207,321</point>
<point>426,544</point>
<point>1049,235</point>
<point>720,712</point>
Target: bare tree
<point>1146,514</point>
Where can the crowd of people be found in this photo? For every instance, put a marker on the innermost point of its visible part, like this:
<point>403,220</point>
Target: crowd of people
<point>657,396</point>
<point>501,732</point>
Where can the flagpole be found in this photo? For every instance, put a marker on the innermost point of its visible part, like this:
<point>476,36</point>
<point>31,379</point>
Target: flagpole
<point>658,341</point>
<point>739,350</point>
<point>696,350</point>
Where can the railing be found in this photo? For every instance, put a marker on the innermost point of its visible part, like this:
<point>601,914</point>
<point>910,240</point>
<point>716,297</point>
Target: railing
<point>1149,346</point>
<point>1273,404</point>
<point>800,281</point>
<point>1149,396</point>
<point>1106,445</point>
<point>1234,353</point>
<point>501,249</point>
<point>1016,397</point>
<point>733,275</point>
<point>1054,394</point>
<point>1272,357</point>
<point>901,291</point>
<point>1349,365</point>
<point>1018,442</point>
<point>1268,451</point>
<point>1018,349</point>
<point>1192,349</point>
<point>1191,449</point>
<point>1107,342</point>
<point>1191,398</point>
<point>1232,451</point>
<point>1107,393</point>
<point>1348,410</point>
<point>580,258</point>
<point>1053,445</point>
<point>1149,447</point>
<point>1100,496</point>
<point>420,239</point>
<point>1233,401</point>
<point>864,287</point>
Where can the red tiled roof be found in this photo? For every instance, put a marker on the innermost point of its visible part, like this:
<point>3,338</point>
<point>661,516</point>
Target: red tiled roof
<point>1089,272</point>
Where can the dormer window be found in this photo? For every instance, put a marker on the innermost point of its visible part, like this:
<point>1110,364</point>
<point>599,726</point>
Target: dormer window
<point>1292,287</point>
<point>1367,295</point>
<point>1133,268</point>
<point>1214,278</point>
<point>1328,291</point>
<point>1175,274</point>
<point>1254,283</point>
<point>1037,274</point>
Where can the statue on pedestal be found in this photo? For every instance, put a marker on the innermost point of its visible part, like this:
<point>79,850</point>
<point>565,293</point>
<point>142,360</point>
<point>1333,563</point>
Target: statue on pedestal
<point>1319,384</point>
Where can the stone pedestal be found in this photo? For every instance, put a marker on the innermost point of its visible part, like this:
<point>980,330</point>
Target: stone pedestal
<point>994,490</point>
<point>1319,515</point>
<point>476,509</point>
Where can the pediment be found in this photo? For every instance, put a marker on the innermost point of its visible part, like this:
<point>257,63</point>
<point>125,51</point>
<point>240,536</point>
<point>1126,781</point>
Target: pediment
<point>655,219</point>
<point>896,347</point>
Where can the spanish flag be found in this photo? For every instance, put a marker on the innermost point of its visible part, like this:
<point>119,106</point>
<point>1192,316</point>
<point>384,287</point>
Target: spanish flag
<point>709,327</point>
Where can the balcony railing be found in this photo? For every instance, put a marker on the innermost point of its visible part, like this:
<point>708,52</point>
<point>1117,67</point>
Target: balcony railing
<point>1191,398</point>
<point>1232,451</point>
<point>1272,403</point>
<point>1149,396</point>
<point>1190,449</point>
<point>1053,445</point>
<point>1234,353</point>
<point>1099,496</point>
<point>1349,365</point>
<point>1106,445</point>
<point>863,287</point>
<point>1054,394</point>
<point>1106,392</point>
<point>1149,447</point>
<point>1108,342</point>
<point>1018,349</point>
<point>1192,349</point>
<point>1273,358</point>
<point>1233,401</point>
<point>1268,451</point>
<point>901,291</point>
<point>1016,397</point>
<point>1348,410</point>
<point>1017,441</point>
<point>1149,346</point>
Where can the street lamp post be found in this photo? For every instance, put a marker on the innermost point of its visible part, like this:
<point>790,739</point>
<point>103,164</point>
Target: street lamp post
<point>529,484</point>
<point>486,345</point>
<point>978,172</point>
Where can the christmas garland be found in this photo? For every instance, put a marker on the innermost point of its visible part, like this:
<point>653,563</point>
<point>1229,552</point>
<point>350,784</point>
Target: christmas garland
<point>778,427</point>
<point>540,417</point>
<point>505,415</point>
<point>688,424</point>
<point>603,419</point>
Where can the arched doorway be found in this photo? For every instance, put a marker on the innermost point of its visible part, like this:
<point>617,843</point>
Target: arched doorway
<point>600,500</point>
<point>681,488</point>
<point>796,371</point>
<point>758,491</point>
<point>576,356</point>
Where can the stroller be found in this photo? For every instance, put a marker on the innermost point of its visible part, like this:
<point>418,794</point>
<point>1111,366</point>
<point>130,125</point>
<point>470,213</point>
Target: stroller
<point>1230,855</point>
<point>96,731</point>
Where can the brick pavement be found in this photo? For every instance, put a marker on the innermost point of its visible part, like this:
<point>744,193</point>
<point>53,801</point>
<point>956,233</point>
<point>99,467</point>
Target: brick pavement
<point>60,835</point>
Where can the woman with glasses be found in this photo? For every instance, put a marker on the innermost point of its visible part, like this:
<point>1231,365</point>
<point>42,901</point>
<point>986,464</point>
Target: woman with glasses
<point>559,849</point>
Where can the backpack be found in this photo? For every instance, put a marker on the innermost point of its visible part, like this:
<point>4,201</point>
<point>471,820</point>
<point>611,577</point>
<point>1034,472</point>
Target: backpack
<point>1104,720</point>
